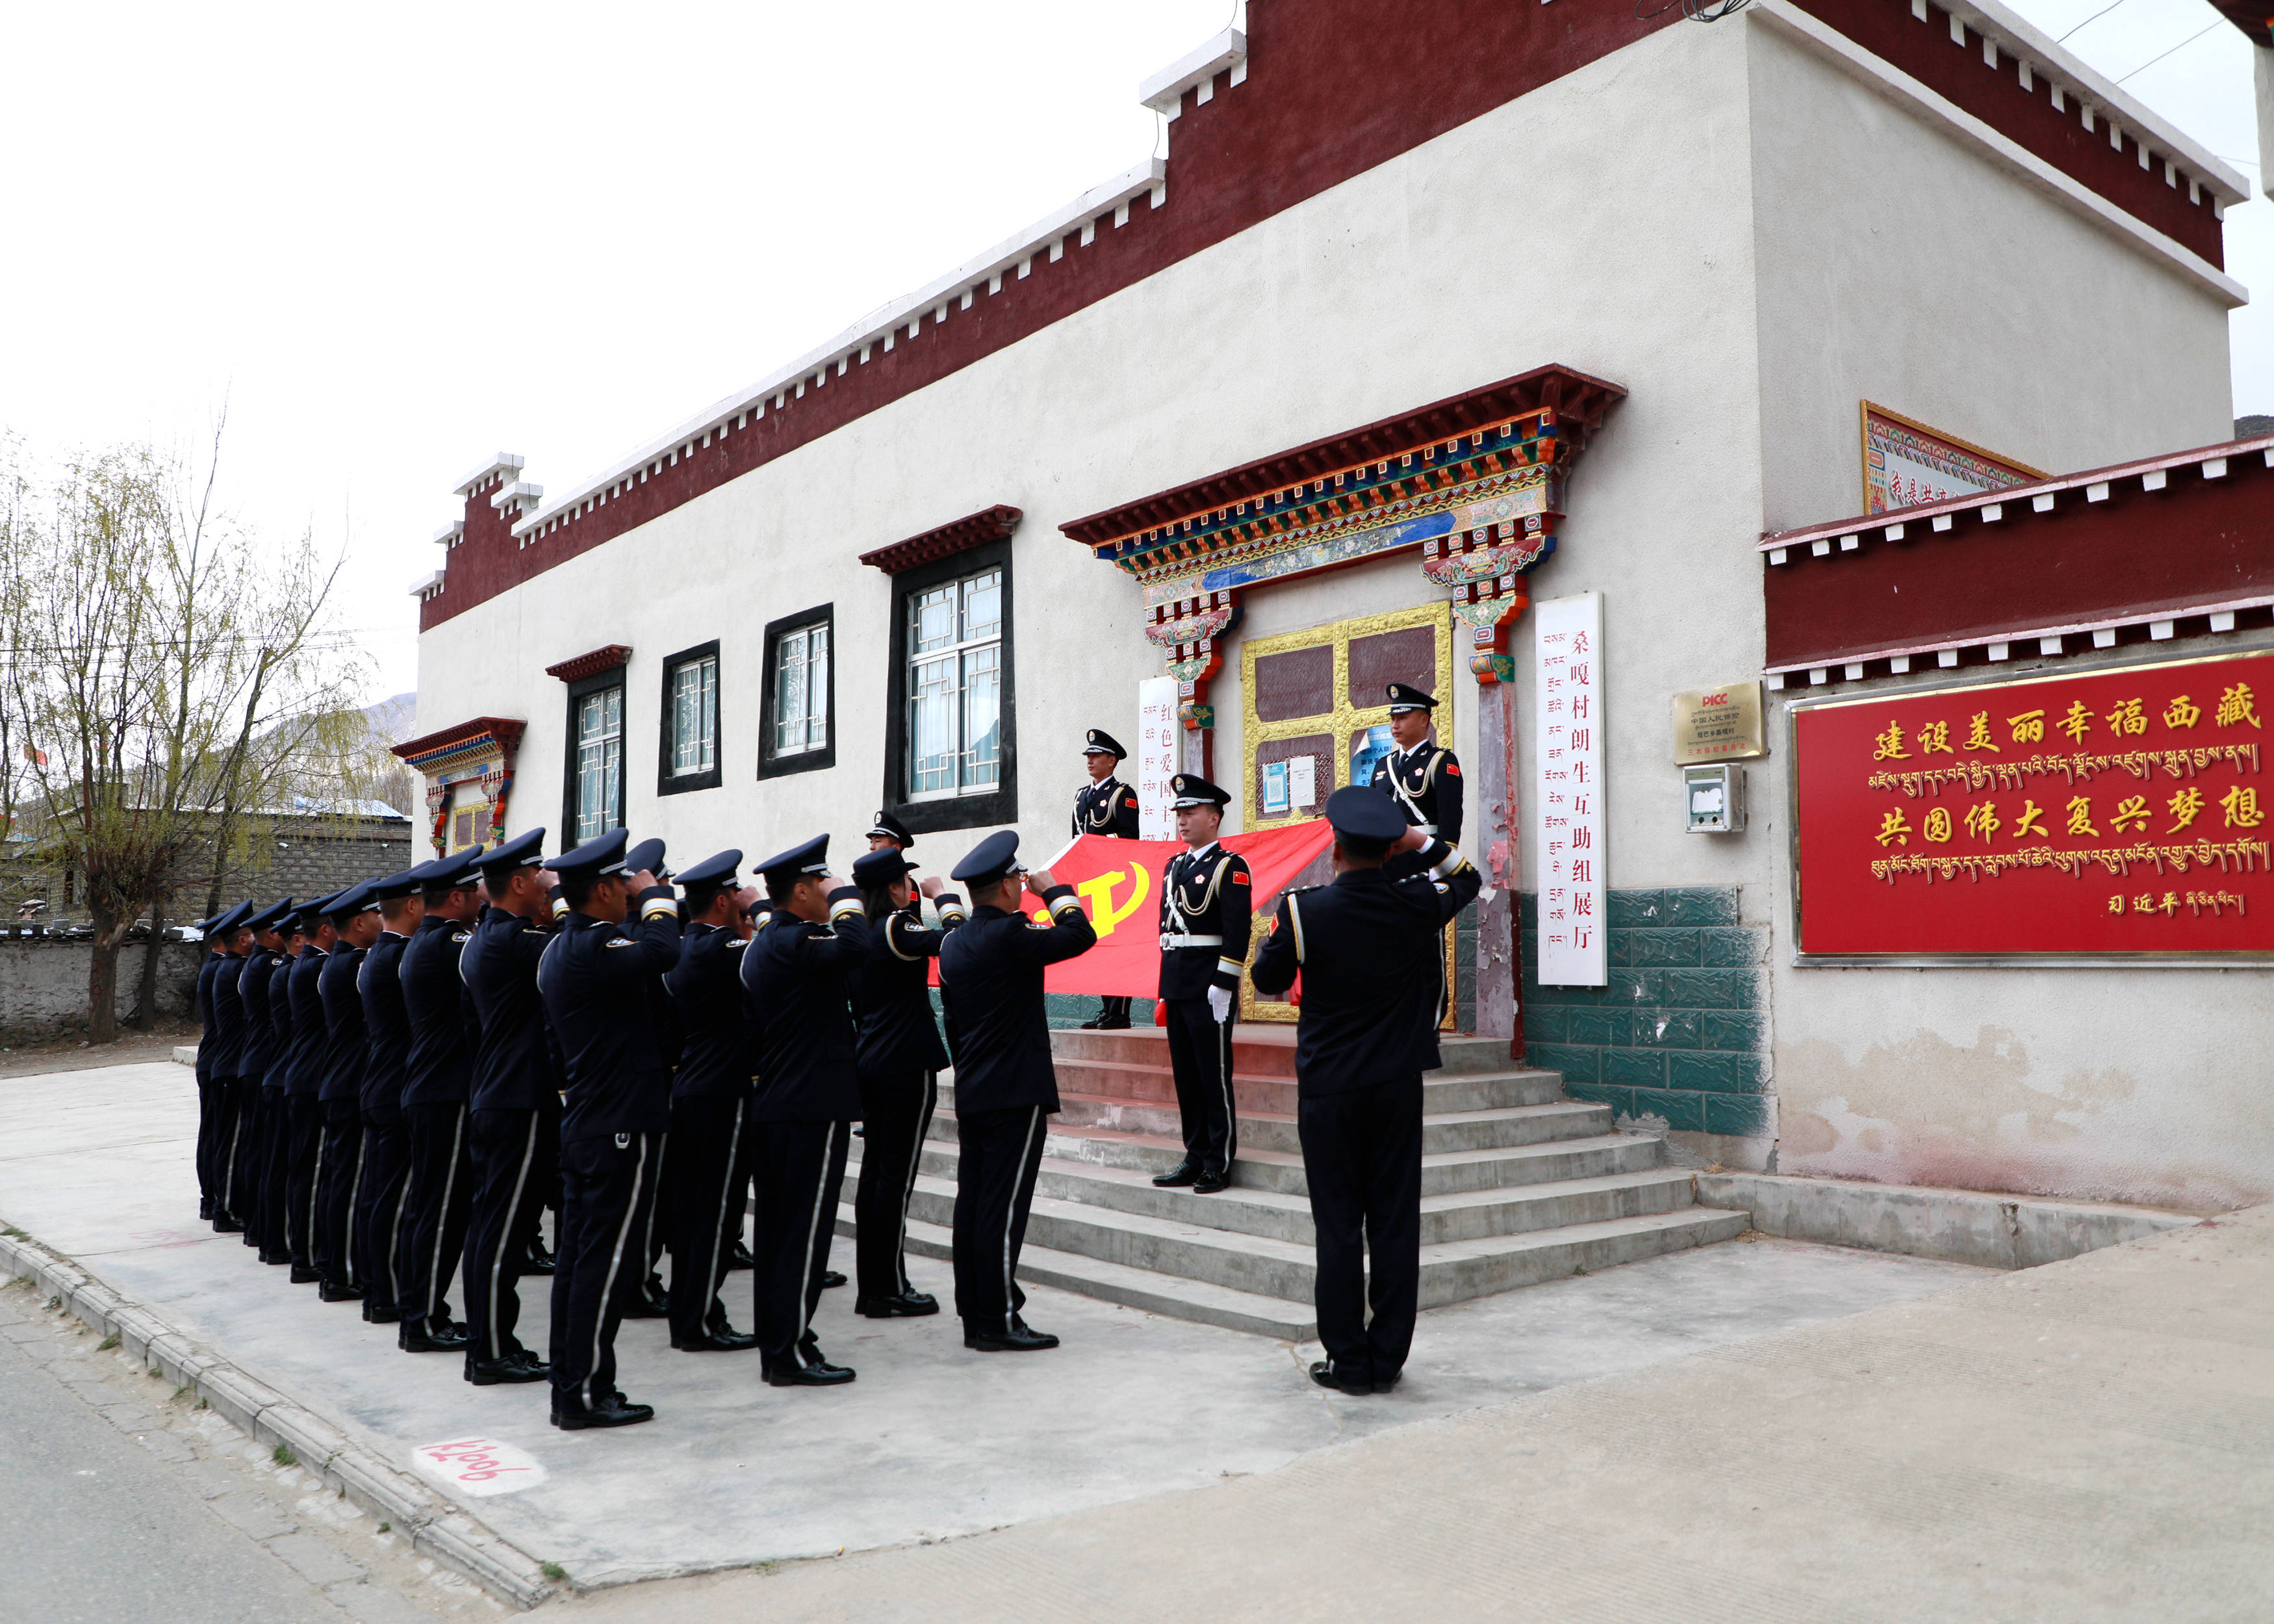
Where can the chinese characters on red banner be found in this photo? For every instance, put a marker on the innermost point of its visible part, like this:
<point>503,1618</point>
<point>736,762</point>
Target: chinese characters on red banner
<point>1567,645</point>
<point>2118,811</point>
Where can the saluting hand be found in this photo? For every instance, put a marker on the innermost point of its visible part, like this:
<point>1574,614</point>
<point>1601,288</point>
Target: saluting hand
<point>1411,840</point>
<point>641,881</point>
<point>929,885</point>
<point>1039,880</point>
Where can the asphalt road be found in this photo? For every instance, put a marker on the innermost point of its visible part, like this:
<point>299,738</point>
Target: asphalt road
<point>100,1531</point>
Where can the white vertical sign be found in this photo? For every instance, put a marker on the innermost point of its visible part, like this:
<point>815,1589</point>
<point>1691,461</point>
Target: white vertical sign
<point>1567,637</point>
<point>1157,756</point>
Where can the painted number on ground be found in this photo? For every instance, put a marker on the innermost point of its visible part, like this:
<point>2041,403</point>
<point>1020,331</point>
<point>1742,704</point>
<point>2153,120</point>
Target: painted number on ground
<point>478,1466</point>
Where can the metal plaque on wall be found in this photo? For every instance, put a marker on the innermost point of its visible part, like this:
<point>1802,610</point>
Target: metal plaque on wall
<point>1718,724</point>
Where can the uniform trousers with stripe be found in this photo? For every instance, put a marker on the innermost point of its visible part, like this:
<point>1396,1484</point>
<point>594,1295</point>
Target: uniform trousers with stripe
<point>303,1115</point>
<point>798,1168</point>
<point>336,1189</point>
<point>607,1186</point>
<point>216,1160</point>
<point>896,1114</point>
<point>655,1229</point>
<point>212,1107</point>
<point>378,1207</point>
<point>548,1178</point>
<point>1200,1055</point>
<point>513,1163</point>
<point>709,1169</point>
<point>1362,1160</point>
<point>243,1192</point>
<point>275,1160</point>
<point>997,1155</point>
<point>433,1228</point>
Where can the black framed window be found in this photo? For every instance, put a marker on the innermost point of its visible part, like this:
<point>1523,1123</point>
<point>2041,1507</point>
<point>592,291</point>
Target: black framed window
<point>592,798</point>
<point>687,754</point>
<point>798,728</point>
<point>953,758</point>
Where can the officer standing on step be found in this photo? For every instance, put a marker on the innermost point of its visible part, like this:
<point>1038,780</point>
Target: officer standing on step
<point>798,991</point>
<point>1105,805</point>
<point>1206,897</point>
<point>437,1083</point>
<point>888,833</point>
<point>381,1203</point>
<point>339,1102</point>
<point>710,1124</point>
<point>515,1142</point>
<point>595,981</point>
<point>1366,947</point>
<point>1005,1087</point>
<point>901,1059</point>
<point>1423,778</point>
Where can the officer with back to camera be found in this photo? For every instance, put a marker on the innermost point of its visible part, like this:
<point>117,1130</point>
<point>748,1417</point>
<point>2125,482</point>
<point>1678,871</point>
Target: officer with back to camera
<point>347,1052</point>
<point>1366,947</point>
<point>1006,1086</point>
<point>797,987</point>
<point>381,1203</point>
<point>1206,896</point>
<point>1105,805</point>
<point>621,931</point>
<point>438,1081</point>
<point>711,1126</point>
<point>514,1142</point>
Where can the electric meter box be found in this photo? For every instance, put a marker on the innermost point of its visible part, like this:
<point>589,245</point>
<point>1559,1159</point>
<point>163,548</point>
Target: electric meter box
<point>1714,798</point>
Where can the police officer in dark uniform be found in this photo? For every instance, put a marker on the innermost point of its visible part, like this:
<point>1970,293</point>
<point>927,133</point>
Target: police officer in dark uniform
<point>516,1144</point>
<point>651,1300</point>
<point>711,1126</point>
<point>303,1090</point>
<point>216,1084</point>
<point>1366,947</point>
<point>283,1062</point>
<point>798,991</point>
<point>620,932</point>
<point>438,1080</point>
<point>354,914</point>
<point>252,1007</point>
<point>1105,805</point>
<point>886,831</point>
<point>1423,778</point>
<point>1005,1087</point>
<point>900,1057</point>
<point>226,1034</point>
<point>382,1201</point>
<point>265,1063</point>
<point>1206,898</point>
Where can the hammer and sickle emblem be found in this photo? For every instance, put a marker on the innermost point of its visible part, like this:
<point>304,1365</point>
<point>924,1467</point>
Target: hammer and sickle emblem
<point>1098,892</point>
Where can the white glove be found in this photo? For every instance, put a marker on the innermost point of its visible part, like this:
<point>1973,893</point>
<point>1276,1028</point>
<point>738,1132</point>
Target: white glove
<point>1220,1004</point>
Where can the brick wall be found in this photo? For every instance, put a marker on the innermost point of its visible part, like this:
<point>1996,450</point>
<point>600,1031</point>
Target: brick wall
<point>1681,1031</point>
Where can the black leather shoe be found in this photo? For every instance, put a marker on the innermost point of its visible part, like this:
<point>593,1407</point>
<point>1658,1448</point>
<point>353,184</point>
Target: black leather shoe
<point>830,1277</point>
<point>519,1366</point>
<point>740,1258</point>
<point>1017,1338</point>
<point>613,1410</point>
<point>539,1261</point>
<point>330,1293</point>
<point>275,1257</point>
<point>1183,1173</point>
<point>1383,1384</point>
<point>303,1275</point>
<point>907,1305</point>
<point>1110,1023</point>
<point>379,1313</point>
<point>415,1336</point>
<point>205,1212</point>
<point>227,1225</point>
<point>250,1238</point>
<point>1326,1375</point>
<point>725,1340</point>
<point>807,1369</point>
<point>648,1303</point>
<point>1208,1183</point>
<point>1093,1024</point>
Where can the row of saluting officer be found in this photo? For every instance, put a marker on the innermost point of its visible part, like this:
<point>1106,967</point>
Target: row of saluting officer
<point>396,1079</point>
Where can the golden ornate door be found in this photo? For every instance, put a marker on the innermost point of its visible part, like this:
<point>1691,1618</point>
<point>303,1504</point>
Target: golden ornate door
<point>1316,717</point>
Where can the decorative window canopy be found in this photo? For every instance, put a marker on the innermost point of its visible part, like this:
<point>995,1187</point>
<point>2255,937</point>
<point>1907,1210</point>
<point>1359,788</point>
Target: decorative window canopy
<point>482,748</point>
<point>958,536</point>
<point>605,659</point>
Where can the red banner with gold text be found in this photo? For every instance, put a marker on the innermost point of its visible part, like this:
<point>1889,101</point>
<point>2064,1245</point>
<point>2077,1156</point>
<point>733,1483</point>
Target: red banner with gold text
<point>2118,811</point>
<point>1119,885</point>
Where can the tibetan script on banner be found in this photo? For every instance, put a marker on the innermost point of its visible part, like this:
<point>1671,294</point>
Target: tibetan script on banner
<point>1566,636</point>
<point>1907,462</point>
<point>2119,812</point>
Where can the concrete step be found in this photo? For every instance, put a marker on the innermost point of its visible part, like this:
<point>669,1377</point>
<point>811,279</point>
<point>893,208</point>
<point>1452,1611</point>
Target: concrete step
<point>1441,1132</point>
<point>1258,1049</point>
<point>1441,1091</point>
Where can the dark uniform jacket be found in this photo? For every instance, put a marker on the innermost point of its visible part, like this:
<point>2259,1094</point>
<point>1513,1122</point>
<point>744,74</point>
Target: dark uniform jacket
<point>514,1067</point>
<point>253,996</point>
<point>1107,807</point>
<point>1204,894</point>
<point>387,1023</point>
<point>993,964</point>
<point>1426,783</point>
<point>208,972</point>
<point>716,1059</point>
<point>225,1034</point>
<point>310,1036</point>
<point>797,984</point>
<point>892,991</point>
<point>347,1048</point>
<point>268,1011</point>
<point>596,980</point>
<point>443,1025</point>
<point>1366,946</point>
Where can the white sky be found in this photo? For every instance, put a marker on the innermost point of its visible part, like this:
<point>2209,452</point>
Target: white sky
<point>397,241</point>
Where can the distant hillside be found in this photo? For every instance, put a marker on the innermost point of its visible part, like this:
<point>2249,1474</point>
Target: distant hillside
<point>390,718</point>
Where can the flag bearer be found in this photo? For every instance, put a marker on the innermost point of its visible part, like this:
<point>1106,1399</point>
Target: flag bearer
<point>1105,805</point>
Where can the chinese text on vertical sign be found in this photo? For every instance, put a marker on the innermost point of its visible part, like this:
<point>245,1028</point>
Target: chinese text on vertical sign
<point>1157,756</point>
<point>1566,643</point>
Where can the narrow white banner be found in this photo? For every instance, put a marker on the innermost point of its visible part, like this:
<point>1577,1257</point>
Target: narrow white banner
<point>1567,637</point>
<point>1156,757</point>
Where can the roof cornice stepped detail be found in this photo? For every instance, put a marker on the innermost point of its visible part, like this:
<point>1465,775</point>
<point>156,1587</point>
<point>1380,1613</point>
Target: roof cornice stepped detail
<point>945,541</point>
